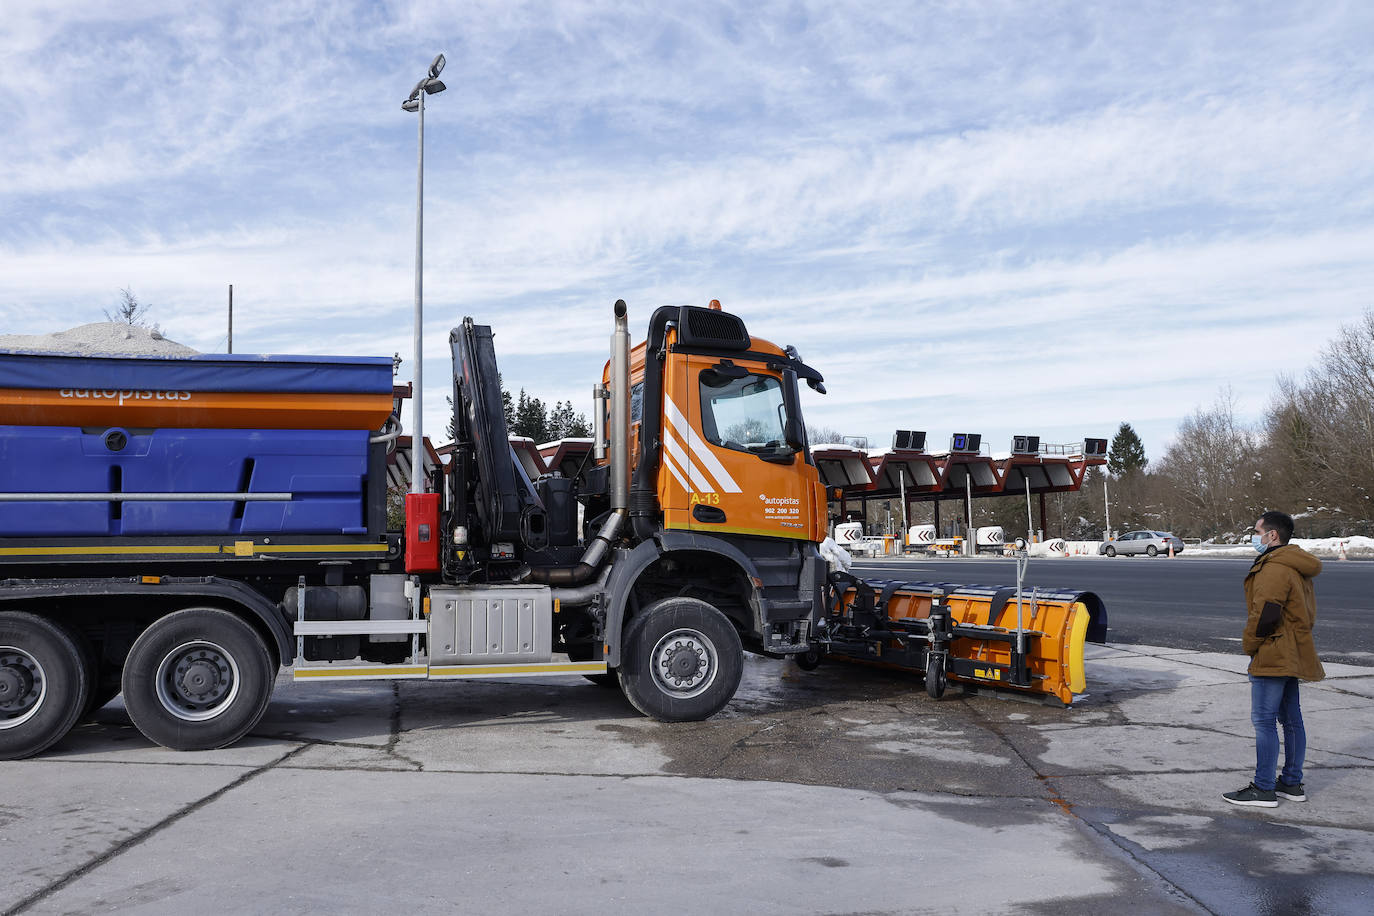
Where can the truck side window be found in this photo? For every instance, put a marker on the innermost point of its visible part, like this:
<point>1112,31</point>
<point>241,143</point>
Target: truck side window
<point>745,414</point>
<point>637,403</point>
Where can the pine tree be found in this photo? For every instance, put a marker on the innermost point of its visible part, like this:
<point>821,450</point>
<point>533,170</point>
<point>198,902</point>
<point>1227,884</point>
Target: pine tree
<point>507,405</point>
<point>530,418</point>
<point>1127,453</point>
<point>578,426</point>
<point>565,423</point>
<point>558,420</point>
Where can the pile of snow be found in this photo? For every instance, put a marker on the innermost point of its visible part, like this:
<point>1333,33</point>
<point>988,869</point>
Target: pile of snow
<point>1354,548</point>
<point>100,337</point>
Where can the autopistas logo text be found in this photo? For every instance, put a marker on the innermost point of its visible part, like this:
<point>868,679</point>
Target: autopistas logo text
<point>127,394</point>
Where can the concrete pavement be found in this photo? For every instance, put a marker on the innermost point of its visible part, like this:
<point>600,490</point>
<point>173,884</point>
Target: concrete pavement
<point>846,790</point>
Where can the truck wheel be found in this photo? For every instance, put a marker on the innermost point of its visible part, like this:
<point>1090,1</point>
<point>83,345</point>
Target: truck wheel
<point>197,679</point>
<point>682,660</point>
<point>44,684</point>
<point>809,660</point>
<point>936,678</point>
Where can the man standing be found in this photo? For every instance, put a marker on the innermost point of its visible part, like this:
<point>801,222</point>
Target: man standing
<point>1278,638</point>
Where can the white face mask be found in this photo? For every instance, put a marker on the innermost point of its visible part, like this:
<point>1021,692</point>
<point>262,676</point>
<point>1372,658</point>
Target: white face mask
<point>1257,542</point>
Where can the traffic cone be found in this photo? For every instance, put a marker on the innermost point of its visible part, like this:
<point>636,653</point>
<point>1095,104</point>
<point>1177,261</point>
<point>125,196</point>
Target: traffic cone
<point>1343,556</point>
<point>1171,548</point>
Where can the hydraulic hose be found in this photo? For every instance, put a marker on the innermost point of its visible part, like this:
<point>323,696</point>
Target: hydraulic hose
<point>592,558</point>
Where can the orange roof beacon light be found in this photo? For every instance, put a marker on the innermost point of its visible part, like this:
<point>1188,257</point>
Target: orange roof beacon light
<point>714,305</point>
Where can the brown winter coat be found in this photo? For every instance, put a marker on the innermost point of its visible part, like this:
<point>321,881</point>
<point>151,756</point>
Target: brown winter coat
<point>1283,575</point>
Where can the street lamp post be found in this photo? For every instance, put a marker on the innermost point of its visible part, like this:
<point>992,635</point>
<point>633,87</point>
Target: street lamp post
<point>1107,507</point>
<point>416,102</point>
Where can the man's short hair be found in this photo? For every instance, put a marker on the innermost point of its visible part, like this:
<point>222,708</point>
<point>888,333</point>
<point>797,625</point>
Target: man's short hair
<point>1281,522</point>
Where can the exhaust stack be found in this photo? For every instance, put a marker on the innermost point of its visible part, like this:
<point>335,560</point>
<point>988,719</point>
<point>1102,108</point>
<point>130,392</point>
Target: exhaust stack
<point>620,409</point>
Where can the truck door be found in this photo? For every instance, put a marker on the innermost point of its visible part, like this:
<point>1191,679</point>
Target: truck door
<point>725,443</point>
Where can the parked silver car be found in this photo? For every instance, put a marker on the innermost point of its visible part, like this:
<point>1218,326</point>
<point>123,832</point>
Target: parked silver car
<point>1150,543</point>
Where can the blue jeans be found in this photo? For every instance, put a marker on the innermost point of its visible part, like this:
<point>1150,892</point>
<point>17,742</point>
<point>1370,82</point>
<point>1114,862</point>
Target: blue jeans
<point>1275,699</point>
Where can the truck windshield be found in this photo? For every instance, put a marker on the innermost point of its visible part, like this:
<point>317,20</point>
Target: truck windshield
<point>745,414</point>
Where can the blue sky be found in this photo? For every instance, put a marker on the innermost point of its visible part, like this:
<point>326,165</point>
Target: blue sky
<point>1040,218</point>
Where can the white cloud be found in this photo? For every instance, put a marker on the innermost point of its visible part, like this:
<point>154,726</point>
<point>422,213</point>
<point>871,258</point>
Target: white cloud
<point>1043,197</point>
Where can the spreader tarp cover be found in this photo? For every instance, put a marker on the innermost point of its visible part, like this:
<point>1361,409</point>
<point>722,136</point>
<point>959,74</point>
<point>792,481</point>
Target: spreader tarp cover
<point>206,372</point>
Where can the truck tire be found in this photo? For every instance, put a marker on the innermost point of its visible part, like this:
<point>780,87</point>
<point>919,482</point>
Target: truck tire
<point>197,679</point>
<point>809,660</point>
<point>44,684</point>
<point>682,660</point>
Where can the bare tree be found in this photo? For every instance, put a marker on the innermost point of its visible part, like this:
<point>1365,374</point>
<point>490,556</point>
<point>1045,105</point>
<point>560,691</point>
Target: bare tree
<point>129,310</point>
<point>1213,471</point>
<point>1320,436</point>
<point>823,435</point>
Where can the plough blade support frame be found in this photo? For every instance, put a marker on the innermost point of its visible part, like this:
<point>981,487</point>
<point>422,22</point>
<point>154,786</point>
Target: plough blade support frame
<point>974,628</point>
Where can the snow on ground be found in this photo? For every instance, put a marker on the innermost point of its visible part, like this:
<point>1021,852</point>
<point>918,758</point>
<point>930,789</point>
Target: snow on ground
<point>100,337</point>
<point>1356,548</point>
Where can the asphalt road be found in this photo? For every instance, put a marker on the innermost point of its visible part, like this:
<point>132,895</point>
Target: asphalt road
<point>841,790</point>
<point>1184,602</point>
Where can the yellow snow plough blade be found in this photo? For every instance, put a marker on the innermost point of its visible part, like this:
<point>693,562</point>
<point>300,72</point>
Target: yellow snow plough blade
<point>971,635</point>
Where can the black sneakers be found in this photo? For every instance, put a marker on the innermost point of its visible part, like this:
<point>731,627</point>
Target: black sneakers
<point>1290,792</point>
<point>1253,796</point>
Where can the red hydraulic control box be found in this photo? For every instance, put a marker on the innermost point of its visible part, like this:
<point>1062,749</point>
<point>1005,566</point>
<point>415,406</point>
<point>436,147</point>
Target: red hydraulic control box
<point>422,532</point>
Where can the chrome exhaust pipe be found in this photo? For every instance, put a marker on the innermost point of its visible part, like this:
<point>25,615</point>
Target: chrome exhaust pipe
<point>620,409</point>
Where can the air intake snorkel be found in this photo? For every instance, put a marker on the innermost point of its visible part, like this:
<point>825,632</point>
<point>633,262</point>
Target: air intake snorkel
<point>619,427</point>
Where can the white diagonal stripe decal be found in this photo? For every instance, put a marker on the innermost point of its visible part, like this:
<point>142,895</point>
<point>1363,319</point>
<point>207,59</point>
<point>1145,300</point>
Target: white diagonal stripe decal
<point>673,469</point>
<point>698,477</point>
<point>699,449</point>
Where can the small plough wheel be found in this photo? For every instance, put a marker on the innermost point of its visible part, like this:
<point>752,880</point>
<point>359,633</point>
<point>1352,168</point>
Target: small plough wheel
<point>935,674</point>
<point>809,660</point>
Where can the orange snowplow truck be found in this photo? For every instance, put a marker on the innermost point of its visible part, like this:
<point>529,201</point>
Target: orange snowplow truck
<point>178,529</point>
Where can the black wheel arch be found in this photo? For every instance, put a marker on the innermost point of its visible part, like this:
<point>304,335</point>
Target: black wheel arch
<point>631,566</point>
